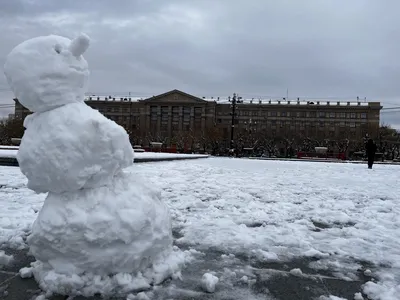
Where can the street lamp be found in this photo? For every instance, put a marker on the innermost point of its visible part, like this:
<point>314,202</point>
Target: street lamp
<point>234,101</point>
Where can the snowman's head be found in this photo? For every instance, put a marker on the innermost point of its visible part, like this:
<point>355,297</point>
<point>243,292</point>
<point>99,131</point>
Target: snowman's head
<point>48,71</point>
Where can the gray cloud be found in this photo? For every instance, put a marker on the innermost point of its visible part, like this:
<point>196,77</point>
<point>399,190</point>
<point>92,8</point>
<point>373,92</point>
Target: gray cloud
<point>339,49</point>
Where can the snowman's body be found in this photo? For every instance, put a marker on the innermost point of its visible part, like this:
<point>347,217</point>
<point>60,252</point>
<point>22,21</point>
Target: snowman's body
<point>74,147</point>
<point>97,218</point>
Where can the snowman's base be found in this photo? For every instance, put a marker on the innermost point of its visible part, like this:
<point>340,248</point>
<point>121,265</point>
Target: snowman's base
<point>167,265</point>
<point>120,228</point>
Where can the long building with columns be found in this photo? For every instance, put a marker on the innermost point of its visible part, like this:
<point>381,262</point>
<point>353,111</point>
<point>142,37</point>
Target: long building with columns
<point>164,116</point>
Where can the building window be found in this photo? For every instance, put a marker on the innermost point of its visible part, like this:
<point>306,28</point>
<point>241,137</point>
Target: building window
<point>363,115</point>
<point>164,117</point>
<point>175,115</point>
<point>197,113</point>
<point>186,118</point>
<point>153,113</point>
<point>352,124</point>
<point>321,114</point>
<point>332,115</point>
<point>283,114</point>
<point>301,114</point>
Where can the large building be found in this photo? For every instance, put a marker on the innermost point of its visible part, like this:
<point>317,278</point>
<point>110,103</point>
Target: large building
<point>173,115</point>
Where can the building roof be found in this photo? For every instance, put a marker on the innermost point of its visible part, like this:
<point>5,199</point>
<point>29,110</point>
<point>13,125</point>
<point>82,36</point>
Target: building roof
<point>220,100</point>
<point>178,92</point>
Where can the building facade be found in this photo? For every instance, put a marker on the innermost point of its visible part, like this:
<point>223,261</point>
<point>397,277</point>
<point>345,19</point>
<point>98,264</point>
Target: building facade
<point>175,114</point>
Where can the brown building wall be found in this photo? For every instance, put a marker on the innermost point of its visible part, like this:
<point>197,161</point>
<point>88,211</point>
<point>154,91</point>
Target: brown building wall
<point>177,115</point>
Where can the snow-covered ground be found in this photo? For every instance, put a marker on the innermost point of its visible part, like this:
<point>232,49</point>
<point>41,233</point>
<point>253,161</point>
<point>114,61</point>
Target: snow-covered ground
<point>158,155</point>
<point>343,218</point>
<point>140,155</point>
<point>8,152</point>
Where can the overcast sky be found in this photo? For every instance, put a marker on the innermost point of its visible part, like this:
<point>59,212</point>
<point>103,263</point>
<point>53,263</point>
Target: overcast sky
<point>258,48</point>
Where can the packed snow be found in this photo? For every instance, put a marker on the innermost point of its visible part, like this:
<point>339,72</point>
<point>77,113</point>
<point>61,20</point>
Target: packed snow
<point>26,272</point>
<point>71,234</point>
<point>79,143</point>
<point>100,229</point>
<point>344,216</point>
<point>44,74</point>
<point>208,282</point>
<point>5,259</point>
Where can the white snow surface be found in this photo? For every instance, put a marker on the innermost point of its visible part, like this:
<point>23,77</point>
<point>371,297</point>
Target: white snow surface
<point>72,147</point>
<point>342,214</point>
<point>12,153</point>
<point>208,282</point>
<point>44,74</point>
<point>159,155</point>
<point>79,232</point>
<point>331,297</point>
<point>139,155</point>
<point>5,259</point>
<point>25,272</point>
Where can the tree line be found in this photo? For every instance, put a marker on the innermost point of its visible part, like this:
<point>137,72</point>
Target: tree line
<point>214,140</point>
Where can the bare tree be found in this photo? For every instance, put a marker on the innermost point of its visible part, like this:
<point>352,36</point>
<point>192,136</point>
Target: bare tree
<point>11,128</point>
<point>214,137</point>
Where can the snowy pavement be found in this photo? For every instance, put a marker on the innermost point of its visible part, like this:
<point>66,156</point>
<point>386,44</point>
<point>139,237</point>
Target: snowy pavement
<point>265,229</point>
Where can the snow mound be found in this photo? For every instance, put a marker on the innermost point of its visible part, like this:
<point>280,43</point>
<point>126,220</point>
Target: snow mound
<point>77,148</point>
<point>208,282</point>
<point>331,298</point>
<point>296,272</point>
<point>382,291</point>
<point>5,259</point>
<point>120,284</point>
<point>118,228</point>
<point>44,74</point>
<point>315,253</point>
<point>25,273</point>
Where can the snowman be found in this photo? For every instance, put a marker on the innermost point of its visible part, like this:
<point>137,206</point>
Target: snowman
<point>97,219</point>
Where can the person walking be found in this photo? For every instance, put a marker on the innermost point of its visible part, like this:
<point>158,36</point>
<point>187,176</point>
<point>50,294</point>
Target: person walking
<point>370,151</point>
